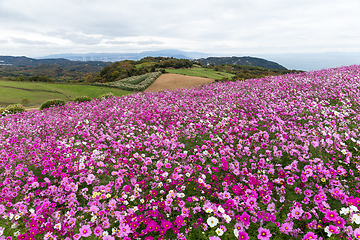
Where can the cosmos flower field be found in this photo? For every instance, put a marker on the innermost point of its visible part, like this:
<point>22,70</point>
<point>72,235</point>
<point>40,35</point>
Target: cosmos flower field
<point>270,158</point>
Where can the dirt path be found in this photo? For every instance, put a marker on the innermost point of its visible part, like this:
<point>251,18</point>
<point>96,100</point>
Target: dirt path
<point>177,81</point>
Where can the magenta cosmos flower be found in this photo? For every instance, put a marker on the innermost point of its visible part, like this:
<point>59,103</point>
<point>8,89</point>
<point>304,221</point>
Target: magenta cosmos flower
<point>310,236</point>
<point>245,218</point>
<point>264,234</point>
<point>331,215</point>
<point>243,236</point>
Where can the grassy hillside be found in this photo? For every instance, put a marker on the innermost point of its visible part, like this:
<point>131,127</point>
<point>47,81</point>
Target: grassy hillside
<point>13,92</point>
<point>202,72</point>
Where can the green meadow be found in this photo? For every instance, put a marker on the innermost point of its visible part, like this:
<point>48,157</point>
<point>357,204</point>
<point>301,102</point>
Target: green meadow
<point>202,72</point>
<point>37,93</point>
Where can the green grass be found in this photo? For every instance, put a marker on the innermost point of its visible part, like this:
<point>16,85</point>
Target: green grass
<point>37,93</point>
<point>201,72</point>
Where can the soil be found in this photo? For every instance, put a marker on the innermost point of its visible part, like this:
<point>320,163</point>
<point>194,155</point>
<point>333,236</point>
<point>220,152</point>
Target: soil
<point>176,81</point>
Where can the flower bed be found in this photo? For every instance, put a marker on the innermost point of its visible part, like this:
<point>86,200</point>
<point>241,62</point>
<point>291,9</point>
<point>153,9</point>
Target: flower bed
<point>271,158</point>
<point>135,83</point>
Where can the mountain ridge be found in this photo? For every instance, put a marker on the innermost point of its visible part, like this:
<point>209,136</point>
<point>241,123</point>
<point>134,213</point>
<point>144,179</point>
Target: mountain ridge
<point>246,61</point>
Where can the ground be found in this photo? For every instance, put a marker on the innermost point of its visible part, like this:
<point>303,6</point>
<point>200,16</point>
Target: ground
<point>176,81</point>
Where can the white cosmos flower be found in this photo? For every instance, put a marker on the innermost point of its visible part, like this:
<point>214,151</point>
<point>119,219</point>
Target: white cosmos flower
<point>212,221</point>
<point>221,209</point>
<point>353,208</point>
<point>236,233</point>
<point>57,226</point>
<point>344,211</point>
<point>327,231</point>
<point>219,231</point>
<point>355,218</point>
<point>227,218</point>
<point>209,210</point>
<point>180,195</point>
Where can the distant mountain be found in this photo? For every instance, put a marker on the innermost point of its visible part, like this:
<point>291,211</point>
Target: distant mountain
<point>25,61</point>
<point>113,57</point>
<point>248,61</point>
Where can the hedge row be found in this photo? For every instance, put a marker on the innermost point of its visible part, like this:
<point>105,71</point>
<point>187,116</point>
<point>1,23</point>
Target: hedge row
<point>135,83</point>
<point>17,108</point>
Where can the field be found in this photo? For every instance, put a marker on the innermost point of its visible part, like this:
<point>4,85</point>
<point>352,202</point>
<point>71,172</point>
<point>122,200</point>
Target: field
<point>176,81</point>
<point>271,159</point>
<point>13,92</point>
<point>202,72</point>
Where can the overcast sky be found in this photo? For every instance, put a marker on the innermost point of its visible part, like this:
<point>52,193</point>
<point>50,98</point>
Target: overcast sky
<point>243,27</point>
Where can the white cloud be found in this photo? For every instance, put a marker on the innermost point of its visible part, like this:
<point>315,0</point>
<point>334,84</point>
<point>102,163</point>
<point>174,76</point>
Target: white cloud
<point>41,27</point>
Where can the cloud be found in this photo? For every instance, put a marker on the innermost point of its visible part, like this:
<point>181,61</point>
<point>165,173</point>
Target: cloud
<point>29,42</point>
<point>117,42</point>
<point>149,42</point>
<point>227,26</point>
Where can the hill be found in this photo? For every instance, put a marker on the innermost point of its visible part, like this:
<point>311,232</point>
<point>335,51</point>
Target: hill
<point>25,62</point>
<point>59,70</point>
<point>246,61</point>
<point>14,92</point>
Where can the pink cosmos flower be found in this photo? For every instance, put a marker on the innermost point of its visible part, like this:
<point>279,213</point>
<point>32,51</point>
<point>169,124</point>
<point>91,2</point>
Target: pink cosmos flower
<point>124,230</point>
<point>318,199</point>
<point>286,228</point>
<point>214,238</point>
<point>77,236</point>
<point>85,231</point>
<point>251,202</point>
<point>2,208</point>
<point>297,212</point>
<point>98,231</point>
<point>308,193</point>
<point>264,234</point>
<point>357,233</point>
<point>108,237</point>
<point>290,180</point>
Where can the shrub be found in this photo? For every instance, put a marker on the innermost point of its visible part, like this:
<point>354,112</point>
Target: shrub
<point>82,99</point>
<point>25,101</point>
<point>106,95</point>
<point>52,103</point>
<point>16,108</point>
<point>2,112</point>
